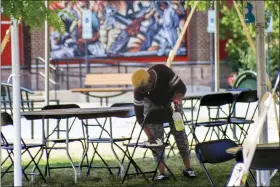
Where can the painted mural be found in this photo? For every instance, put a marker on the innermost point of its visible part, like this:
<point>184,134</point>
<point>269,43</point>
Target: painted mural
<point>118,28</point>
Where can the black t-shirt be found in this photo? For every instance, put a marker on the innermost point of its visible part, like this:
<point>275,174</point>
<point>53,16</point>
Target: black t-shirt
<point>166,85</point>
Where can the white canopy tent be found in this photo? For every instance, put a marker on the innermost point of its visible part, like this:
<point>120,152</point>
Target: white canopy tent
<point>16,79</point>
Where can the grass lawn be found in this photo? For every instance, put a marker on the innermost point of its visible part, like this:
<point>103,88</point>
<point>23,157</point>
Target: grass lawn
<point>100,177</point>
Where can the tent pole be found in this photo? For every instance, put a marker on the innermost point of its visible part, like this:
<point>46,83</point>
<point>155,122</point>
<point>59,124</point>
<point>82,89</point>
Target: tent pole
<point>173,52</point>
<point>47,60</point>
<point>217,49</point>
<point>0,97</point>
<point>16,103</point>
<point>261,72</point>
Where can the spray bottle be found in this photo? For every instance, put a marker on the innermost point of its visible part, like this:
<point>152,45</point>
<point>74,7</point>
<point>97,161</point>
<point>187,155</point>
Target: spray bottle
<point>177,118</point>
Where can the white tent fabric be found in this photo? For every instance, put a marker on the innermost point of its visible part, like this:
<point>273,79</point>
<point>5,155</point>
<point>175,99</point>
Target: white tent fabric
<point>16,83</point>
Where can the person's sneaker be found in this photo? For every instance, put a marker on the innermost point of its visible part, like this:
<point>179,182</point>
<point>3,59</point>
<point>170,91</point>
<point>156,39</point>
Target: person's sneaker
<point>161,177</point>
<point>157,144</point>
<point>189,173</point>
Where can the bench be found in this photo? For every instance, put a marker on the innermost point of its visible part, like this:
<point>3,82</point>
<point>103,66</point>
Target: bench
<point>112,82</point>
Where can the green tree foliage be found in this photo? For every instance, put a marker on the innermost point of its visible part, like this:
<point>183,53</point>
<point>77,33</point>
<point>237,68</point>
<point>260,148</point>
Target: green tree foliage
<point>32,12</point>
<point>241,57</point>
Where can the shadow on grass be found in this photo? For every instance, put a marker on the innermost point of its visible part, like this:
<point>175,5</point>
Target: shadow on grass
<point>101,177</point>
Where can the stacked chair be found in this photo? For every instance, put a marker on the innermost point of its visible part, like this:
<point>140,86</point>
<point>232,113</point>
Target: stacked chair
<point>213,151</point>
<point>6,120</point>
<point>218,107</point>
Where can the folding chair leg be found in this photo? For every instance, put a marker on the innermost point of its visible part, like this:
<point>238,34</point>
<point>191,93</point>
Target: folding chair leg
<point>207,135</point>
<point>172,147</point>
<point>208,175</point>
<point>131,161</point>
<point>86,155</point>
<point>234,134</point>
<point>47,167</point>
<point>11,165</point>
<point>145,153</point>
<point>162,161</point>
<point>104,162</point>
<point>36,166</point>
<point>224,131</point>
<point>89,166</point>
<point>125,155</point>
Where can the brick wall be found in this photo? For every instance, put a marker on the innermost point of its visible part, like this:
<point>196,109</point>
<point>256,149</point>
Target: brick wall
<point>37,43</point>
<point>199,39</point>
<point>27,45</point>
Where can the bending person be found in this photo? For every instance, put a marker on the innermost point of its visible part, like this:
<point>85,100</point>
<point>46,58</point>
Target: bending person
<point>157,88</point>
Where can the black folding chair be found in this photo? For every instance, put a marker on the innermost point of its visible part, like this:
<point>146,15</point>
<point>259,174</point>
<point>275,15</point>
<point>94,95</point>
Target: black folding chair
<point>246,101</point>
<point>102,139</point>
<point>218,108</point>
<point>214,152</point>
<point>265,158</point>
<point>6,120</point>
<point>52,143</point>
<point>153,117</point>
<point>172,146</point>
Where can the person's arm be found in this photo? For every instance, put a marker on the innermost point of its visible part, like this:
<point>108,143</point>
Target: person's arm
<point>139,112</point>
<point>139,107</point>
<point>177,87</point>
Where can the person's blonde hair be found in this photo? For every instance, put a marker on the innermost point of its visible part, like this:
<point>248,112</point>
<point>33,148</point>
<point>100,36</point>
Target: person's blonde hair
<point>140,77</point>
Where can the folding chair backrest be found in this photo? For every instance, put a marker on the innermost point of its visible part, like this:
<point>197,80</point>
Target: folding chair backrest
<point>158,116</point>
<point>130,114</point>
<point>52,107</point>
<point>64,106</point>
<point>6,119</point>
<point>214,151</point>
<point>265,158</point>
<point>217,99</point>
<point>247,96</point>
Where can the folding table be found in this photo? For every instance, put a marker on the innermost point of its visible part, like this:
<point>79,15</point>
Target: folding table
<point>82,114</point>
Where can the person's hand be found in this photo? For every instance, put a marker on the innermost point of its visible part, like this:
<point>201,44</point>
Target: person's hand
<point>152,140</point>
<point>177,105</point>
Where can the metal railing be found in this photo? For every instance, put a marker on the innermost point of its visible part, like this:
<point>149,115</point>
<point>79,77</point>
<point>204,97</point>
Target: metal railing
<point>55,72</point>
<point>120,65</point>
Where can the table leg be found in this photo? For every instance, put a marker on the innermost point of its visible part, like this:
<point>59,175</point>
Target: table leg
<point>112,147</point>
<point>86,145</point>
<point>68,155</point>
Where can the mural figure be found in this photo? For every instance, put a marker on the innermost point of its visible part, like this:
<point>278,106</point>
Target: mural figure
<point>169,22</point>
<point>130,31</point>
